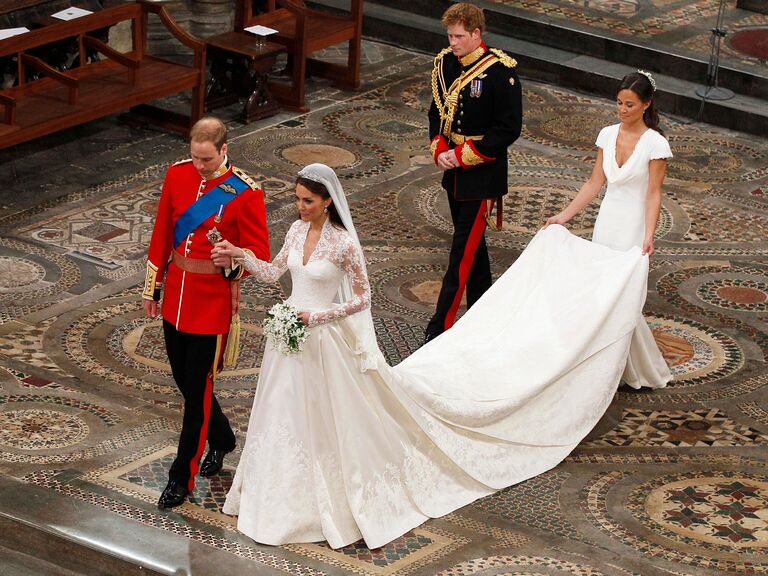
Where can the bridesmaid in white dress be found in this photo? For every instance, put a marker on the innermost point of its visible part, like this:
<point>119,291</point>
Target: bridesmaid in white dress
<point>632,158</point>
<point>341,446</point>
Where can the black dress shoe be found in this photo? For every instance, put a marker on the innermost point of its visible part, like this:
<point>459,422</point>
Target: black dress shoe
<point>212,462</point>
<point>430,336</point>
<point>173,495</point>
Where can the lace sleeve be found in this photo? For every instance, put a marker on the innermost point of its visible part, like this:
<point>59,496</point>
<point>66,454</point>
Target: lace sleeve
<point>269,271</point>
<point>351,261</point>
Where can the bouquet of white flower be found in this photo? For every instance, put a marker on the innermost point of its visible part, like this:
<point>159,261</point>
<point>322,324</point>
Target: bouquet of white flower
<point>284,327</point>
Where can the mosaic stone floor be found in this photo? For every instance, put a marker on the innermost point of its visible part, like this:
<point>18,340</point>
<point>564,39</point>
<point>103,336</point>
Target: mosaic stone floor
<point>679,26</point>
<point>670,482</point>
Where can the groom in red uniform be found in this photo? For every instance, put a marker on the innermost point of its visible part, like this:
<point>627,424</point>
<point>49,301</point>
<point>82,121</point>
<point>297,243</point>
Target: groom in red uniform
<point>204,199</point>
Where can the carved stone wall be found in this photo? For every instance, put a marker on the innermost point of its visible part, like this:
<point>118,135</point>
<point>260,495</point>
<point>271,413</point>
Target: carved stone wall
<point>202,18</point>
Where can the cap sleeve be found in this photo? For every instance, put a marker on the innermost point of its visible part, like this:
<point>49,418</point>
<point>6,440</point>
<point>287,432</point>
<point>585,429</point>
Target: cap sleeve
<point>659,147</point>
<point>604,138</point>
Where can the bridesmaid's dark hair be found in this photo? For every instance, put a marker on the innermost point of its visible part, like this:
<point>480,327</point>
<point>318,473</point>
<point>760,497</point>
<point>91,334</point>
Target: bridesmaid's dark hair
<point>641,85</point>
<point>320,189</point>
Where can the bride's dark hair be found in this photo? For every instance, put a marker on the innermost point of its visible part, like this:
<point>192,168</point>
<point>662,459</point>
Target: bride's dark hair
<point>320,189</point>
<point>641,85</point>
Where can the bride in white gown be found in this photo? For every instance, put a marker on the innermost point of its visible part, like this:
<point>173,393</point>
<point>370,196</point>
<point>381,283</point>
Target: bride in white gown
<point>631,157</point>
<point>341,446</point>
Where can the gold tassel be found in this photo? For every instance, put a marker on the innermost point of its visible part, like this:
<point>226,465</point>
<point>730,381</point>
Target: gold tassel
<point>232,350</point>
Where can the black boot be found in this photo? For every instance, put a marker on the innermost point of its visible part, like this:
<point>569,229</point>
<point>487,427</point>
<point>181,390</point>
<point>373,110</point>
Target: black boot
<point>212,462</point>
<point>173,495</point>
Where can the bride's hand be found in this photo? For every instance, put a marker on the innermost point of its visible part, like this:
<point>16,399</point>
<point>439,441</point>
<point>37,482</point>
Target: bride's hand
<point>223,252</point>
<point>304,317</point>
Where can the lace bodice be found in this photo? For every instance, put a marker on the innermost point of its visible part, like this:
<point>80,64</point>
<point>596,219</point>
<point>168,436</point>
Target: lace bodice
<point>316,284</point>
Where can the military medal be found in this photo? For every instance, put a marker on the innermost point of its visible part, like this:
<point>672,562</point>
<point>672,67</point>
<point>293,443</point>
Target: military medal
<point>476,88</point>
<point>214,236</point>
<point>217,218</point>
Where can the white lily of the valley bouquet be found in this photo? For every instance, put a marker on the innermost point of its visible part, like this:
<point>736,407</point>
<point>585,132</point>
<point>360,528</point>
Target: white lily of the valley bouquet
<point>284,327</point>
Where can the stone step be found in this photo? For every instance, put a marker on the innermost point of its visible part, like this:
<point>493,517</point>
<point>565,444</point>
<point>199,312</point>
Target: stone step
<point>540,29</point>
<point>15,563</point>
<point>566,68</point>
<point>75,537</point>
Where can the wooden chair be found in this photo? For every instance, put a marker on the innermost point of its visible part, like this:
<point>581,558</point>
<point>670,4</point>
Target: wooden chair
<point>302,31</point>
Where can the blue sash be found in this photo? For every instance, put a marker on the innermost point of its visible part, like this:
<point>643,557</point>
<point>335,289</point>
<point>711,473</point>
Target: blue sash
<point>207,205</point>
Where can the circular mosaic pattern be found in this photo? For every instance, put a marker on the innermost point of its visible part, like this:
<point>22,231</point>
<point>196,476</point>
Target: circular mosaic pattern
<point>679,288</point>
<point>333,156</point>
<point>526,208</point>
<point>149,207</point>
<point>141,345</point>
<point>735,294</point>
<point>18,272</point>
<point>115,342</point>
<point>573,127</point>
<point>421,291</point>
<point>706,158</point>
<point>496,564</point>
<point>718,510</point>
<point>385,288</point>
<point>392,126</point>
<point>752,42</point>
<point>417,96</point>
<point>719,497</point>
<point>40,429</point>
<point>62,275</point>
<point>695,354</point>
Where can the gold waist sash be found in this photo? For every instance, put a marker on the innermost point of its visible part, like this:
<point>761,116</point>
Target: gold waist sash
<point>459,139</point>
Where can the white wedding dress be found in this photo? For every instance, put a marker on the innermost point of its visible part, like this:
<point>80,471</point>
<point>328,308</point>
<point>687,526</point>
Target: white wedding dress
<point>339,450</point>
<point>620,225</point>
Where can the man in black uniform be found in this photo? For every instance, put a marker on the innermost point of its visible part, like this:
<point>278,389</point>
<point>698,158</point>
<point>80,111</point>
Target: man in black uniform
<point>476,114</point>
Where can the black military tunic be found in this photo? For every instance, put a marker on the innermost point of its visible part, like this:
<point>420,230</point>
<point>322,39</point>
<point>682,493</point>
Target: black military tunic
<point>477,109</point>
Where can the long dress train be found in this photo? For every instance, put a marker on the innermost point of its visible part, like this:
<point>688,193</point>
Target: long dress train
<point>337,452</point>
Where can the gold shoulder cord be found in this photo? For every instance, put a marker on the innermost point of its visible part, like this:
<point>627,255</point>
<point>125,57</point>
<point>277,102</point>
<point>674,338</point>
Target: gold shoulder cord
<point>504,58</point>
<point>437,74</point>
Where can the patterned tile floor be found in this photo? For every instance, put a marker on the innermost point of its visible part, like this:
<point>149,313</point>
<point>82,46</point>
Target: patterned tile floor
<point>670,482</point>
<point>677,26</point>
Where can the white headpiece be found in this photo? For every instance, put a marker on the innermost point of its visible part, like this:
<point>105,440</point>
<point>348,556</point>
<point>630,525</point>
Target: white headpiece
<point>360,323</point>
<point>650,78</point>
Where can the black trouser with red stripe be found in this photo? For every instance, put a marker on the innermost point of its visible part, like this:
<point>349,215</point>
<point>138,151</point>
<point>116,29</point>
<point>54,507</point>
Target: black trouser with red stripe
<point>193,359</point>
<point>468,264</point>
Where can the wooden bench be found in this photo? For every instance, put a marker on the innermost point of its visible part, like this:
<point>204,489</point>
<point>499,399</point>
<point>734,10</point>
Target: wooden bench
<point>302,31</point>
<point>92,88</point>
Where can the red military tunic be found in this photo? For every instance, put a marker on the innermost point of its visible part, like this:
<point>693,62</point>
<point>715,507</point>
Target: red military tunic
<point>201,303</point>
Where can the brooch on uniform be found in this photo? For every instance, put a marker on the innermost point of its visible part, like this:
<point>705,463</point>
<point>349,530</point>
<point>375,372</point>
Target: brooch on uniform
<point>213,236</point>
<point>476,88</point>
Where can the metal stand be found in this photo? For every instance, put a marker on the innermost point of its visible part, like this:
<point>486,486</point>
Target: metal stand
<point>712,91</point>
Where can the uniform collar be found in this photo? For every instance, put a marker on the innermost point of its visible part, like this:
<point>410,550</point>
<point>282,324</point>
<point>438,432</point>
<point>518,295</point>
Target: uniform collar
<point>473,56</point>
<point>221,170</point>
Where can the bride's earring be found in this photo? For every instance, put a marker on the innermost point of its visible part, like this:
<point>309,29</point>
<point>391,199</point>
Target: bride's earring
<point>325,210</point>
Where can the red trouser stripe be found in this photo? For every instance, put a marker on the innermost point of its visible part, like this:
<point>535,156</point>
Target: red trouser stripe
<point>194,464</point>
<point>465,266</point>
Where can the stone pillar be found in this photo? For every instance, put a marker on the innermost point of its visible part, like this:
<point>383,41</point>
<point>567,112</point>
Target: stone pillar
<point>160,41</point>
<point>211,17</point>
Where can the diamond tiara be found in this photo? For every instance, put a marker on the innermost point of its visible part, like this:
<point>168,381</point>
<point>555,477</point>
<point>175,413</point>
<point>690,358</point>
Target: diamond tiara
<point>650,78</point>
